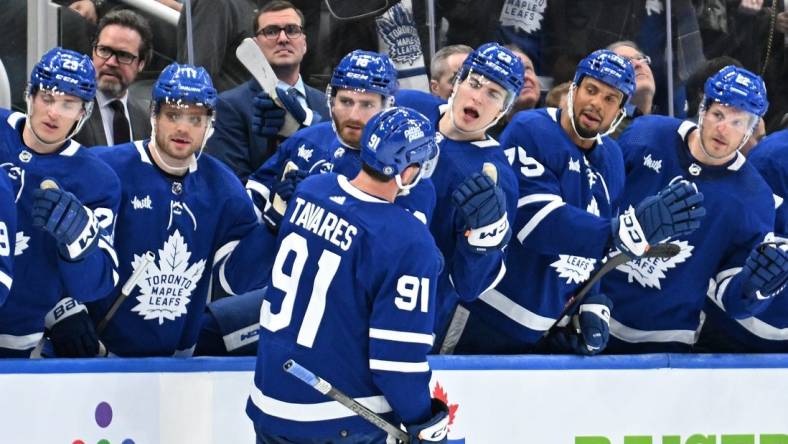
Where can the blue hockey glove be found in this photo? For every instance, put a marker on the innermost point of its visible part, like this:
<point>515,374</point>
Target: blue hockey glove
<point>73,225</point>
<point>289,99</point>
<point>284,189</point>
<point>590,329</point>
<point>483,207</point>
<point>674,211</point>
<point>435,429</point>
<point>267,118</point>
<point>70,329</point>
<point>767,270</point>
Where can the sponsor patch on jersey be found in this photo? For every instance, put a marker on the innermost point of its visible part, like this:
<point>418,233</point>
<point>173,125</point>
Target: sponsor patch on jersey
<point>574,165</point>
<point>305,153</point>
<point>649,272</point>
<point>166,287</point>
<point>654,164</point>
<point>575,269</point>
<point>142,204</point>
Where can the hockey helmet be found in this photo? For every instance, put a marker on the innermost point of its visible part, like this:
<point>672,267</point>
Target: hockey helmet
<point>65,71</point>
<point>396,138</point>
<point>737,87</point>
<point>610,68</point>
<point>184,84</point>
<point>366,70</point>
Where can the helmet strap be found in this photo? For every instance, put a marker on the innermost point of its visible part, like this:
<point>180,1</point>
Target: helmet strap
<point>570,104</point>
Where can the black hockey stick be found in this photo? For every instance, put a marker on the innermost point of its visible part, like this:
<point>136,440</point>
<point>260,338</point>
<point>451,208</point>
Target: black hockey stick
<point>324,387</point>
<point>613,260</point>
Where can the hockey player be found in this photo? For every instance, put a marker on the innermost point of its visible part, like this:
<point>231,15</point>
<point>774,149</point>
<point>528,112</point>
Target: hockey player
<point>63,246</point>
<point>771,160</point>
<point>352,297</point>
<point>570,175</point>
<point>7,230</point>
<point>188,210</point>
<point>658,302</point>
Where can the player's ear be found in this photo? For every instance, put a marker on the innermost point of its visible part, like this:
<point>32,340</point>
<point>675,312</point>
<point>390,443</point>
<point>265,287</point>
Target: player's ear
<point>141,65</point>
<point>433,86</point>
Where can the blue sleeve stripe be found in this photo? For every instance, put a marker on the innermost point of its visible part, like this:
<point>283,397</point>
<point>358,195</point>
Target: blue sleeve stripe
<point>401,336</point>
<point>399,366</point>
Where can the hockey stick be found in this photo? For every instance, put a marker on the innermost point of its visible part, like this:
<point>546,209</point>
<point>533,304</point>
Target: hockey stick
<point>324,387</point>
<point>277,202</point>
<point>613,260</point>
<point>249,54</point>
<point>125,291</point>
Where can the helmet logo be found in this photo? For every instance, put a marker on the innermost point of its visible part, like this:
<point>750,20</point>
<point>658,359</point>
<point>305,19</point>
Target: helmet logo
<point>388,171</point>
<point>504,57</point>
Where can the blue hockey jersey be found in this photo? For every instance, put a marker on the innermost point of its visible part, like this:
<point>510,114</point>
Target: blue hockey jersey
<point>567,197</point>
<point>352,298</point>
<point>191,224</point>
<point>316,149</point>
<point>770,158</point>
<point>42,277</point>
<point>658,302</point>
<point>7,232</point>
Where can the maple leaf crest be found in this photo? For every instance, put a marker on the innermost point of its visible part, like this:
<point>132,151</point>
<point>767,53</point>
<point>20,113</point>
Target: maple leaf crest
<point>439,393</point>
<point>653,7</point>
<point>21,243</point>
<point>593,207</point>
<point>165,289</point>
<point>649,272</point>
<point>526,15</point>
<point>575,269</point>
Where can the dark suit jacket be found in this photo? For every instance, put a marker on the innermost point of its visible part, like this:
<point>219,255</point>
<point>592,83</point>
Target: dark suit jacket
<point>92,133</point>
<point>234,142</point>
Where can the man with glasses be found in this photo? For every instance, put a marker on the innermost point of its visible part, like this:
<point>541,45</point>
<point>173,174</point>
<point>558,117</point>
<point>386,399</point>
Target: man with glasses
<point>248,120</point>
<point>643,99</point>
<point>121,49</point>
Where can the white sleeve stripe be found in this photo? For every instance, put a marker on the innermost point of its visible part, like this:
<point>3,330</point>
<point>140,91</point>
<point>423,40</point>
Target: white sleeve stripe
<point>399,366</point>
<point>258,188</point>
<point>115,277</point>
<point>224,250</point>
<point>223,280</point>
<point>764,330</point>
<point>321,411</point>
<point>532,198</point>
<point>104,245</point>
<point>725,274</point>
<point>633,335</point>
<point>22,342</point>
<point>515,311</point>
<point>401,336</point>
<point>5,279</point>
<point>541,214</point>
<point>778,201</point>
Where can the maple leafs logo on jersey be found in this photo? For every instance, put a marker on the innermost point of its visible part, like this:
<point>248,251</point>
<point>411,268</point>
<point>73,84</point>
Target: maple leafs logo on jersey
<point>593,207</point>
<point>524,14</point>
<point>166,288</point>
<point>21,243</point>
<point>649,272</point>
<point>653,7</point>
<point>575,269</point>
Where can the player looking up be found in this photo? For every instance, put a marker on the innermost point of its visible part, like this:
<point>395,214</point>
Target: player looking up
<point>63,243</point>
<point>658,302</point>
<point>355,270</point>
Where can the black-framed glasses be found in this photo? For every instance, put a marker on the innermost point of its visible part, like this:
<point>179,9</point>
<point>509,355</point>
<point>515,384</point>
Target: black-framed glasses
<point>123,57</point>
<point>272,31</point>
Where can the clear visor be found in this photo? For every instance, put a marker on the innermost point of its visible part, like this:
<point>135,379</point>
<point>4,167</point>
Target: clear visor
<point>493,92</point>
<point>65,105</point>
<point>735,122</point>
<point>428,167</point>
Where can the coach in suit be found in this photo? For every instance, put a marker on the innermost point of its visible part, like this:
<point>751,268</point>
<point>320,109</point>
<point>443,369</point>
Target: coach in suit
<point>121,49</point>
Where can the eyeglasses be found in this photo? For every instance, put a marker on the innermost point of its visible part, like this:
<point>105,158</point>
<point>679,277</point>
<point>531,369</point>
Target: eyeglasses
<point>639,58</point>
<point>123,57</point>
<point>272,31</point>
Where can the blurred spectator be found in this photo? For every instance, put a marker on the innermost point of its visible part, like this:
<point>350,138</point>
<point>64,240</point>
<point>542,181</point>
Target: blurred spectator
<point>246,129</point>
<point>556,97</point>
<point>529,94</point>
<point>122,47</point>
<point>471,22</point>
<point>641,102</point>
<point>444,67</point>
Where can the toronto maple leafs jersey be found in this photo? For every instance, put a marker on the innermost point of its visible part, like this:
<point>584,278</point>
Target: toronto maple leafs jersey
<point>352,299</point>
<point>191,225</point>
<point>658,302</point>
<point>316,149</point>
<point>7,233</point>
<point>770,158</point>
<point>42,277</point>
<point>567,197</point>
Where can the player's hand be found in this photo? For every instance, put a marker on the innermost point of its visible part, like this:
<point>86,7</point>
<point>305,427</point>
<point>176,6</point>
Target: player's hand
<point>70,329</point>
<point>674,211</point>
<point>73,225</point>
<point>267,118</point>
<point>434,430</point>
<point>767,271</point>
<point>86,9</point>
<point>590,329</point>
<point>305,117</point>
<point>284,189</point>
<point>482,205</point>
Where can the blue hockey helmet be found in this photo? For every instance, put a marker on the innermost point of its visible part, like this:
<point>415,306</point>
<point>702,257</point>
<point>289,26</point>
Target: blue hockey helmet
<point>395,138</point>
<point>738,87</point>
<point>498,64</point>
<point>368,71</point>
<point>182,84</point>
<point>65,71</point>
<point>610,68</point>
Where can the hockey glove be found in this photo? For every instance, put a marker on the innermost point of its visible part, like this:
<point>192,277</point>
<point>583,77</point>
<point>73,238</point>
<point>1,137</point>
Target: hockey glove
<point>766,270</point>
<point>674,211</point>
<point>72,224</point>
<point>284,189</point>
<point>483,207</point>
<point>590,329</point>
<point>289,99</point>
<point>267,118</point>
<point>435,429</point>
<point>70,329</point>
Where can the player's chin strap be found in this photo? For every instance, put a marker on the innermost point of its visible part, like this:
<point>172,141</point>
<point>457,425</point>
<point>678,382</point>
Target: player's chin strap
<point>404,190</point>
<point>29,116</point>
<point>570,105</point>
